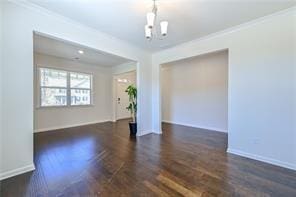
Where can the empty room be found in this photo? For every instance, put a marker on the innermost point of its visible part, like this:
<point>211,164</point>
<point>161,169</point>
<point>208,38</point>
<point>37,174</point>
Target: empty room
<point>147,98</point>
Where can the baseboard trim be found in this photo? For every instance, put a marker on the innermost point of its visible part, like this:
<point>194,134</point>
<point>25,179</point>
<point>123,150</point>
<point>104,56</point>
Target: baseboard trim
<point>17,171</point>
<point>142,133</point>
<point>157,132</point>
<point>275,162</point>
<point>69,126</point>
<point>123,118</point>
<point>196,126</point>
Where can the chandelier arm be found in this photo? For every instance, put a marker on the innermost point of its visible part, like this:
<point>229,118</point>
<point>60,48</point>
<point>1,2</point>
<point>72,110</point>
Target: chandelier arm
<point>154,9</point>
<point>153,30</point>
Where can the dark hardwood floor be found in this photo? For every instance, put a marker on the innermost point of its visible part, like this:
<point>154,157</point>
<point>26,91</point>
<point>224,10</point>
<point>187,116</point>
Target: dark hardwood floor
<point>101,160</point>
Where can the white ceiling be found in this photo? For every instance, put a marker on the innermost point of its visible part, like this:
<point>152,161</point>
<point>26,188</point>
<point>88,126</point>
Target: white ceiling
<point>188,19</point>
<point>68,50</point>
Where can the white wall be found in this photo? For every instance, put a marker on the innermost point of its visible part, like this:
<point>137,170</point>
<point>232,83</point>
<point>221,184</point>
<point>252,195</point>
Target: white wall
<point>61,117</point>
<point>194,91</point>
<point>294,98</point>
<point>261,122</point>
<point>124,68</point>
<point>1,83</point>
<point>20,21</point>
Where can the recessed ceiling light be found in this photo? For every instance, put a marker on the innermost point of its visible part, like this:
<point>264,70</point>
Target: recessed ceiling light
<point>80,51</point>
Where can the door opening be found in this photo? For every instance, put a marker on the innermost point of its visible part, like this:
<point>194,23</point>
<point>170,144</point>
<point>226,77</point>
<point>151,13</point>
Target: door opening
<point>121,82</point>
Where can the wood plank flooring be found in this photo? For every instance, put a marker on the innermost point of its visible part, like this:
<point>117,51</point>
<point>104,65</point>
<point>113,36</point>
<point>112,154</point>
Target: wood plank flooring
<point>102,160</point>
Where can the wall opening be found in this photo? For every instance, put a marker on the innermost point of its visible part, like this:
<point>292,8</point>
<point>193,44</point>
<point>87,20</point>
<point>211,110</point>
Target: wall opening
<point>194,91</point>
<point>60,101</point>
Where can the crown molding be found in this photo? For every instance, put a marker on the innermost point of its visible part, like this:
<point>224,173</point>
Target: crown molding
<point>234,28</point>
<point>44,11</point>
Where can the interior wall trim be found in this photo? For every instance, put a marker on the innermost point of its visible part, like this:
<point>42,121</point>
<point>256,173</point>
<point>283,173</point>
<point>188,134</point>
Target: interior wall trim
<point>275,162</point>
<point>71,125</point>
<point>196,126</point>
<point>15,172</point>
<point>144,133</point>
<point>233,29</point>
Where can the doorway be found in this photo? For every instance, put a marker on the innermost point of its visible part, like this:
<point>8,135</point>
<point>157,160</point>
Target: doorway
<point>121,83</point>
<point>73,83</point>
<point>194,92</point>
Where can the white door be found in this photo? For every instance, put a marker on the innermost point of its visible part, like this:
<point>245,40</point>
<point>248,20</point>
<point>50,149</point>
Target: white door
<point>122,100</point>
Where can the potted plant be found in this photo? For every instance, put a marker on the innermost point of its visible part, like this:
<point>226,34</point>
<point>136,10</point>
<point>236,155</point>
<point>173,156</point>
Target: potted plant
<point>132,93</point>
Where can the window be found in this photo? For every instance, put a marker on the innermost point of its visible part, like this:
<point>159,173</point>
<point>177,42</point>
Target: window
<point>53,87</point>
<point>63,88</point>
<point>80,85</point>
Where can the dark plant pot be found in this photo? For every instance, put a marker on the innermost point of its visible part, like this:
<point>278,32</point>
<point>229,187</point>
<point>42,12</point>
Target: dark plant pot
<point>133,128</point>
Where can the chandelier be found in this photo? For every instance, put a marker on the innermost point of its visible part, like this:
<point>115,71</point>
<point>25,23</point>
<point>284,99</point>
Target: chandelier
<point>150,31</point>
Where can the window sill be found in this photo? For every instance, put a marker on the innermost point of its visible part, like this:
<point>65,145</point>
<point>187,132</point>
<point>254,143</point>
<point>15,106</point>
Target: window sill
<point>63,107</point>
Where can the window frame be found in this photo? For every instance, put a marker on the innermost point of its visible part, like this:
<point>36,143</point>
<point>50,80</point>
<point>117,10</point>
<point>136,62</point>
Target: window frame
<point>67,88</point>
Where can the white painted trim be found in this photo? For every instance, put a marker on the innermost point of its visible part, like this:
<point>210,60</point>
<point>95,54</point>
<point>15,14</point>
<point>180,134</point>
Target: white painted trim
<point>37,8</point>
<point>142,133</point>
<point>123,118</point>
<point>263,159</point>
<point>17,171</point>
<point>233,29</point>
<point>40,9</point>
<point>157,132</point>
<point>196,126</point>
<point>69,126</point>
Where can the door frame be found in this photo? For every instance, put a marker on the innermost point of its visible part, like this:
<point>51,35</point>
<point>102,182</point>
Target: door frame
<point>114,92</point>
